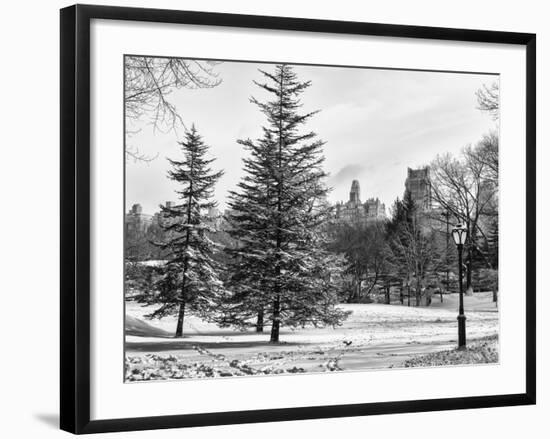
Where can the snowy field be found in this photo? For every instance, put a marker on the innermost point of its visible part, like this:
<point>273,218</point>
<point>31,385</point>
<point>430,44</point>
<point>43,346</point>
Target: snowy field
<point>373,336</point>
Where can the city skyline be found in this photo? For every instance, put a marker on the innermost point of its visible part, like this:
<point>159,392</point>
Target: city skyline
<point>376,123</point>
<point>355,196</point>
<point>360,199</point>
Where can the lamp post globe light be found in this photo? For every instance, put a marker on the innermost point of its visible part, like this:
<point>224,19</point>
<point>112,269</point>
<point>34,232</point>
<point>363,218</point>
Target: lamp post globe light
<point>460,234</point>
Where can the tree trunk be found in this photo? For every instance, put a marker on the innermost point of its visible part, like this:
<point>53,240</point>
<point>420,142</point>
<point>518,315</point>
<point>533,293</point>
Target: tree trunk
<point>495,295</point>
<point>418,289</point>
<point>352,297</point>
<point>355,291</point>
<point>274,338</point>
<point>469,270</point>
<point>181,315</point>
<point>260,321</point>
<point>387,296</point>
<point>276,321</point>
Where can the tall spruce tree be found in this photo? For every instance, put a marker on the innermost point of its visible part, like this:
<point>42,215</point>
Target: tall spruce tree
<point>190,278</point>
<point>282,272</point>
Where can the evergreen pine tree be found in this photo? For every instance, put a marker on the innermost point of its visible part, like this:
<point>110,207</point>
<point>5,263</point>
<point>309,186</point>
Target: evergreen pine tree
<point>410,208</point>
<point>190,277</point>
<point>282,271</point>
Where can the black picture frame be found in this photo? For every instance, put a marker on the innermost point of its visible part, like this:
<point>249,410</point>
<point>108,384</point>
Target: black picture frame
<point>75,217</point>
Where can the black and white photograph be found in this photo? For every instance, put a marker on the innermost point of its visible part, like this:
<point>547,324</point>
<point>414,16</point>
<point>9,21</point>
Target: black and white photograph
<point>275,220</point>
<point>306,219</point>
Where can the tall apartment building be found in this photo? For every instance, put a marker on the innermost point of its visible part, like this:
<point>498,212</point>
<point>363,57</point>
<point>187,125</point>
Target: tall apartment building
<point>418,184</point>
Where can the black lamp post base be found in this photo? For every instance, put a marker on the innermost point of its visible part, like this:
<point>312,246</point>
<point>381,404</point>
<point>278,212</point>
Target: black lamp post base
<point>461,331</point>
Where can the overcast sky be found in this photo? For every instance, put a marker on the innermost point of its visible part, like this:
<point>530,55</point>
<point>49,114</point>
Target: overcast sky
<point>375,122</point>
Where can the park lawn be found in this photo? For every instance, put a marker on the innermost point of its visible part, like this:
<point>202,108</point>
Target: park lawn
<point>374,336</point>
<point>484,350</point>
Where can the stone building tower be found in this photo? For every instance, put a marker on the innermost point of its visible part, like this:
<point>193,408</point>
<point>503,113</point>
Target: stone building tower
<point>418,184</point>
<point>353,210</point>
<point>375,209</point>
<point>355,193</point>
<point>136,221</point>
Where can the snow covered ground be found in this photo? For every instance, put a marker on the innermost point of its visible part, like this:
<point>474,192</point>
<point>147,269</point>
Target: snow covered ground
<point>373,336</point>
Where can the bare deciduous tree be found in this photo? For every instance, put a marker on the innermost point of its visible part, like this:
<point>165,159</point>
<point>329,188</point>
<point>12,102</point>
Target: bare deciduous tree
<point>366,255</point>
<point>416,250</point>
<point>486,155</point>
<point>462,187</point>
<point>148,82</point>
<point>488,99</point>
<point>413,246</point>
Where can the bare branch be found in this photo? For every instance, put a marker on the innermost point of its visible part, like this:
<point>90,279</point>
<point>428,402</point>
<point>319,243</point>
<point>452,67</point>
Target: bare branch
<point>148,83</point>
<point>488,99</point>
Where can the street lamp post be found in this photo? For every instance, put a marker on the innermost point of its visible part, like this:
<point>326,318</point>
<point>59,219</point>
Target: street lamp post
<point>459,235</point>
<point>446,215</point>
